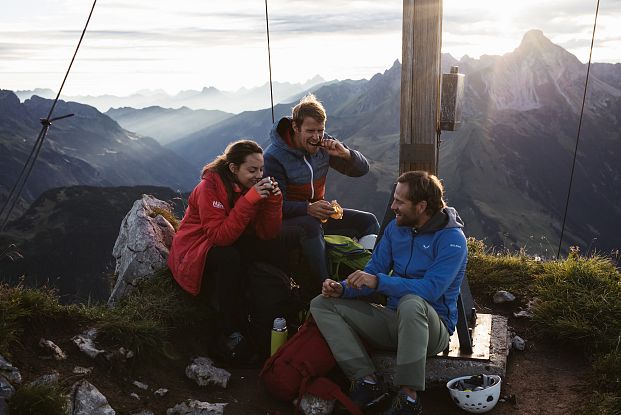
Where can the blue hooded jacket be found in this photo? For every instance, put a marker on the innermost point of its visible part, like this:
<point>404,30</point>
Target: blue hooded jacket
<point>429,262</point>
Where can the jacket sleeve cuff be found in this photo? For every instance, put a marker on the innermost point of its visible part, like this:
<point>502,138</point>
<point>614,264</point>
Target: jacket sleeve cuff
<point>294,208</point>
<point>275,199</point>
<point>252,195</point>
<point>383,283</point>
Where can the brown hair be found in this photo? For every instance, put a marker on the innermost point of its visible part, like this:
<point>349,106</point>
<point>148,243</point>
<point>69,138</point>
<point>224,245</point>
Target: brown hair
<point>235,153</point>
<point>309,106</point>
<point>424,186</point>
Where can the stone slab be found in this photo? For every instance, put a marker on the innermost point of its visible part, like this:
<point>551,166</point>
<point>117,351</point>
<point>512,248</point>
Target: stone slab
<point>481,339</point>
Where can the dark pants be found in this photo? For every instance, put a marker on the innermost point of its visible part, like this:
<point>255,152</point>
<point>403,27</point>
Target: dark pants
<point>308,232</point>
<point>225,275</point>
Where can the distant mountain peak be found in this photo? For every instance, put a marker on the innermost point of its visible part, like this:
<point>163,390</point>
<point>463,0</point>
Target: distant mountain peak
<point>535,37</point>
<point>315,80</point>
<point>209,90</point>
<point>536,45</point>
<point>534,41</point>
<point>9,95</point>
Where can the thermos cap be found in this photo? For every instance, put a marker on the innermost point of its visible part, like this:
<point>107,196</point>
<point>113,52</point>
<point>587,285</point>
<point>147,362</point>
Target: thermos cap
<point>280,323</point>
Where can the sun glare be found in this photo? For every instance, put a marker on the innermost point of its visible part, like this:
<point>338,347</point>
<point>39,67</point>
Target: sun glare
<point>192,44</point>
<point>494,32</point>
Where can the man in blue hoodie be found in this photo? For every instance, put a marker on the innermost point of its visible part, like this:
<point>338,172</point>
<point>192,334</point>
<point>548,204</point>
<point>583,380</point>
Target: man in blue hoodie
<point>299,157</point>
<point>419,265</point>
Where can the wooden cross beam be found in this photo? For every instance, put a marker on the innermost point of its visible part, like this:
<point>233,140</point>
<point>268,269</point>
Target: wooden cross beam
<point>420,89</point>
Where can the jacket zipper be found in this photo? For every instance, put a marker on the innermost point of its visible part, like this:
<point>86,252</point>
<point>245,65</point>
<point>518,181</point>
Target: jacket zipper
<point>312,178</point>
<point>411,253</point>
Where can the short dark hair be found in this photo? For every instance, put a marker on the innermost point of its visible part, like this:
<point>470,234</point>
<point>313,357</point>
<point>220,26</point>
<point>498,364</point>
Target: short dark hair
<point>424,186</point>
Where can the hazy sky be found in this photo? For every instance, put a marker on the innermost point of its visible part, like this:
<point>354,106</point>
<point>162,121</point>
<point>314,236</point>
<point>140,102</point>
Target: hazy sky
<point>189,44</point>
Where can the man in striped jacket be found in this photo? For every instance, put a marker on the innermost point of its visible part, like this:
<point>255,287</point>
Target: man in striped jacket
<point>298,158</point>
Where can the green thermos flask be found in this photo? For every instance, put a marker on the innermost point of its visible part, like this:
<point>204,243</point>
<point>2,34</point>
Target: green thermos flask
<point>279,334</point>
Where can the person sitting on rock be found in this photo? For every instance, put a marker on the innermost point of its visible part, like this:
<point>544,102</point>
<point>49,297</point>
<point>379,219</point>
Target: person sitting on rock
<point>419,265</point>
<point>299,157</point>
<point>229,211</point>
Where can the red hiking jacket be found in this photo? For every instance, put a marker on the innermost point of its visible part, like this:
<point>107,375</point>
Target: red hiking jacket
<point>210,221</point>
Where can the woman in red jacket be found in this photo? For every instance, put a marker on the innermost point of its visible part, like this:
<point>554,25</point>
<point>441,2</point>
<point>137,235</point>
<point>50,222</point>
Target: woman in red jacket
<point>231,208</point>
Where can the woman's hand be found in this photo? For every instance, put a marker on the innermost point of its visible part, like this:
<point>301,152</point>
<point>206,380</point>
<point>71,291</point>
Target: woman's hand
<point>264,187</point>
<point>275,189</point>
<point>267,186</point>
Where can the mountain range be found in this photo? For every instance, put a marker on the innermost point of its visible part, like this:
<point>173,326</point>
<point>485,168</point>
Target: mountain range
<point>165,124</point>
<point>86,149</point>
<point>506,170</point>
<point>210,98</point>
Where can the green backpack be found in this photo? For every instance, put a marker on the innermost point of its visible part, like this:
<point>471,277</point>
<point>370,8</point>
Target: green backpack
<point>344,250</point>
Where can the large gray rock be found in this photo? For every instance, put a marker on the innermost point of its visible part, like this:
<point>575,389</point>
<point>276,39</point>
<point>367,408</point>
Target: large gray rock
<point>6,391</point>
<point>10,372</point>
<point>141,248</point>
<point>85,399</point>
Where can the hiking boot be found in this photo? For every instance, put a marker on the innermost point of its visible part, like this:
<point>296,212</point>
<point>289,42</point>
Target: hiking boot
<point>234,347</point>
<point>401,406</point>
<point>366,394</point>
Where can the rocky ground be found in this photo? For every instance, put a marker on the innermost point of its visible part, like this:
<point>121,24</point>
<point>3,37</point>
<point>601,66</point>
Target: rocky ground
<point>540,380</point>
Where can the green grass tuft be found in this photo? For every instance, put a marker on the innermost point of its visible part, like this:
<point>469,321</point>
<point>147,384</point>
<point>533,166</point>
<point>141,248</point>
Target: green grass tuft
<point>143,336</point>
<point>488,272</point>
<point>145,318</point>
<point>166,214</point>
<point>22,307</point>
<point>579,302</point>
<point>38,400</point>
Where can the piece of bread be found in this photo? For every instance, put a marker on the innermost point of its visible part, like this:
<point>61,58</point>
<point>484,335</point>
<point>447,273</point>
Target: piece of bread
<point>338,210</point>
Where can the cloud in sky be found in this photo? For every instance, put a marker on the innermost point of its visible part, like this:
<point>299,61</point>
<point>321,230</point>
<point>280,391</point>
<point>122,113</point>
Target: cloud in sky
<point>190,44</point>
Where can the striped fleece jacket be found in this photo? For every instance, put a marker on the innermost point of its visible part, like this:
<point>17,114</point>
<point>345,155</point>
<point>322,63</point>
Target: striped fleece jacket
<point>300,175</point>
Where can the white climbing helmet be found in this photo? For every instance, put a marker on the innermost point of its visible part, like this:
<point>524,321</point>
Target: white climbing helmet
<point>476,394</point>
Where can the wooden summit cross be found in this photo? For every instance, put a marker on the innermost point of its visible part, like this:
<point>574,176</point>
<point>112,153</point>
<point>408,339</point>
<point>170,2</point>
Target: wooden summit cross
<point>420,70</point>
<point>418,144</point>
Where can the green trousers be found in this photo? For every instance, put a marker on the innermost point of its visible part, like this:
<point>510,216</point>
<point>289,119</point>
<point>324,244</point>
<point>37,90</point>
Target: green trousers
<point>414,331</point>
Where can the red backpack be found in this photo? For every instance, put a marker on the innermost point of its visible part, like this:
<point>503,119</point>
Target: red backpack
<point>299,367</point>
